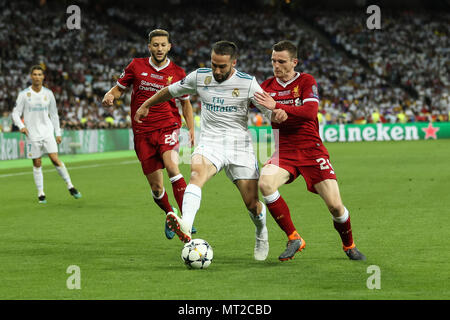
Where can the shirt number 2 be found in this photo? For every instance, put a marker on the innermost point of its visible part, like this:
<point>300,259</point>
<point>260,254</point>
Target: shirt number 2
<point>325,164</point>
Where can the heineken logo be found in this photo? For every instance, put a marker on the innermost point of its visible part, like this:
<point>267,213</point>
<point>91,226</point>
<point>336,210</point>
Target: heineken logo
<point>378,132</point>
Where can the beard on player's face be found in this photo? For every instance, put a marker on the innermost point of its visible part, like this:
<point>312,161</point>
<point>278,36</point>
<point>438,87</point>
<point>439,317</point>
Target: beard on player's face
<point>221,77</point>
<point>159,60</point>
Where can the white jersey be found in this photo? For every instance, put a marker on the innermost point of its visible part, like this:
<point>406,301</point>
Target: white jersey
<point>39,112</point>
<point>225,105</point>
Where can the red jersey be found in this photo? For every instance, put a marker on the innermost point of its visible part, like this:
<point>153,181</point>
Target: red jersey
<point>300,99</point>
<point>147,79</point>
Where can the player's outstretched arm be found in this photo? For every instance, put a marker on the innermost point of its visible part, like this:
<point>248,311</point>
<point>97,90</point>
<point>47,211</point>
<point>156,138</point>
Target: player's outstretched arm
<point>111,95</point>
<point>308,110</point>
<point>188,115</point>
<point>159,97</point>
<point>264,99</point>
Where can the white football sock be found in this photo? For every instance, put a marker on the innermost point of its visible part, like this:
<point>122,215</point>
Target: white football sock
<point>272,197</point>
<point>39,180</point>
<point>342,218</point>
<point>191,203</point>
<point>260,219</point>
<point>65,175</point>
<point>176,178</point>
<point>160,196</point>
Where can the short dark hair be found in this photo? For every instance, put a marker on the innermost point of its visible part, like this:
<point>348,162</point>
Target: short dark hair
<point>225,48</point>
<point>36,67</point>
<point>158,33</point>
<point>286,45</point>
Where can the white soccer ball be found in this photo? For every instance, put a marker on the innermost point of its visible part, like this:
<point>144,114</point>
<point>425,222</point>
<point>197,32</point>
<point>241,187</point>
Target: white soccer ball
<point>197,254</point>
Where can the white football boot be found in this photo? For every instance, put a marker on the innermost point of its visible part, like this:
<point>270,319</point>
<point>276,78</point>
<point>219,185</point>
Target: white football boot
<point>261,245</point>
<point>177,225</point>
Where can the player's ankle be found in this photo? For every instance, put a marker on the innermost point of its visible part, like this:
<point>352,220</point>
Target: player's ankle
<point>294,236</point>
<point>348,247</point>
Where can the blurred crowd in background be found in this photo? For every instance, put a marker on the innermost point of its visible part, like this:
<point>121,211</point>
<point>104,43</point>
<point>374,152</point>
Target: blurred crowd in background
<point>396,74</point>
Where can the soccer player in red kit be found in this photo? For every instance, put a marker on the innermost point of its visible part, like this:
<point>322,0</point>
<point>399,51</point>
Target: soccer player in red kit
<point>300,150</point>
<point>156,138</point>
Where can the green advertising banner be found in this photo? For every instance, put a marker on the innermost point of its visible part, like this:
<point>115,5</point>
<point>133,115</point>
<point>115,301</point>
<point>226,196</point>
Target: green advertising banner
<point>373,132</point>
<point>385,132</point>
<point>12,144</point>
<point>82,141</point>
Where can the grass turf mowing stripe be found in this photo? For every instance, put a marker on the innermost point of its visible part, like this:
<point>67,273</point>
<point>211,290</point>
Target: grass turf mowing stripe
<point>69,158</point>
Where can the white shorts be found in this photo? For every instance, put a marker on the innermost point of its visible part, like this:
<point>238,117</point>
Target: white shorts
<point>35,149</point>
<point>239,163</point>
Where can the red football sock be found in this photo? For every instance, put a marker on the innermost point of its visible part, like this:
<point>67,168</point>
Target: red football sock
<point>345,231</point>
<point>280,212</point>
<point>163,202</point>
<point>178,188</point>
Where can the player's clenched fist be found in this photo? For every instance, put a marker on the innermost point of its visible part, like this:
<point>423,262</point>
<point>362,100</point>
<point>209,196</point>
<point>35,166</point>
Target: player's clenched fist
<point>279,115</point>
<point>24,131</point>
<point>108,100</point>
<point>141,113</point>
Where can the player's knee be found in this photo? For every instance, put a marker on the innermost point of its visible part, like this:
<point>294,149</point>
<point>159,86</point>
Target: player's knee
<point>195,175</point>
<point>37,163</point>
<point>265,186</point>
<point>198,177</point>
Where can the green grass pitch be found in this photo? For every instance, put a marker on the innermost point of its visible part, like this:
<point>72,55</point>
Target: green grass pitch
<point>397,193</point>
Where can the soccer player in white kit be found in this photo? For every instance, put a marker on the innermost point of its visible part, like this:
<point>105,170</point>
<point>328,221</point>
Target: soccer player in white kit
<point>38,106</point>
<point>225,142</point>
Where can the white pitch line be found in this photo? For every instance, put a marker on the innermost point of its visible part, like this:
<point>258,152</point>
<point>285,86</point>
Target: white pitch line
<point>70,168</point>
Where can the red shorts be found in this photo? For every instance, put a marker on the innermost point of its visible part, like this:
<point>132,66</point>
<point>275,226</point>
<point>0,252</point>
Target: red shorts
<point>312,163</point>
<point>150,147</point>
